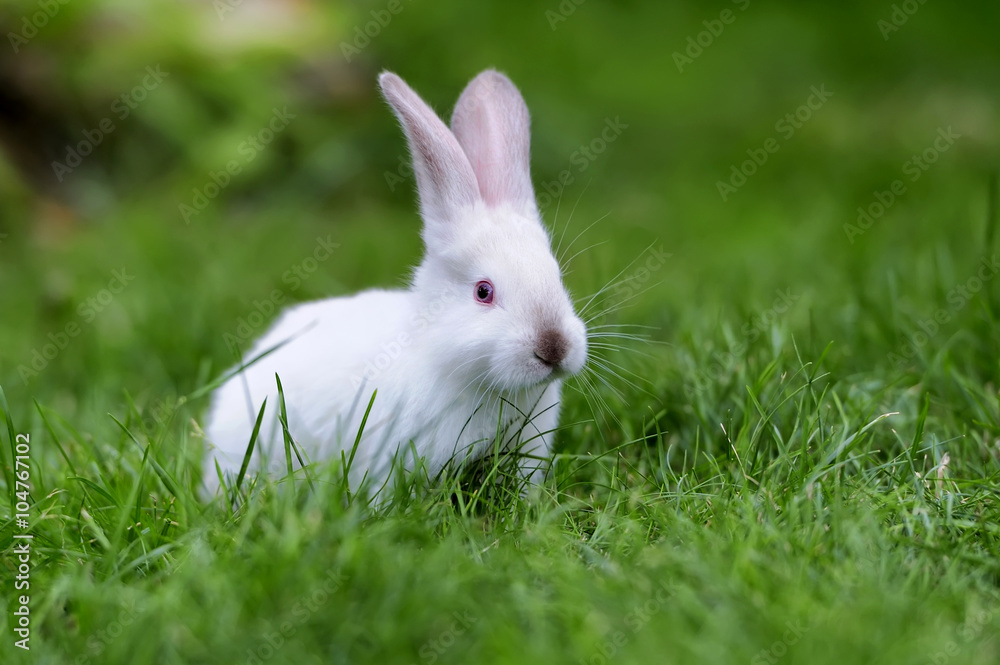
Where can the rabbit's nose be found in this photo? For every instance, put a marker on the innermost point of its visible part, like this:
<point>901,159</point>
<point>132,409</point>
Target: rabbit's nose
<point>551,347</point>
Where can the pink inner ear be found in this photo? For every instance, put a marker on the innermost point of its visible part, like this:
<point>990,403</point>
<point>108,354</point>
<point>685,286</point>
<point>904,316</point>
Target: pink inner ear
<point>496,160</point>
<point>445,178</point>
<point>491,124</point>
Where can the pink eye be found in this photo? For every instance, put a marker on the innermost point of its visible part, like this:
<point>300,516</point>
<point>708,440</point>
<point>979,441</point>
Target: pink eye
<point>484,292</point>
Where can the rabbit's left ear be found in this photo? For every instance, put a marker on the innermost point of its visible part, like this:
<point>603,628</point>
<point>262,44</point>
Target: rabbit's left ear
<point>492,125</point>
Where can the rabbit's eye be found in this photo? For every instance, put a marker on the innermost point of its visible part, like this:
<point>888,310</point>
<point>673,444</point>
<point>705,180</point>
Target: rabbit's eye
<point>484,292</point>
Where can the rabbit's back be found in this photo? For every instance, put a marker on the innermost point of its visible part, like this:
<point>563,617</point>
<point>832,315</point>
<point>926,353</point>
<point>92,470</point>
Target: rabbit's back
<point>320,351</point>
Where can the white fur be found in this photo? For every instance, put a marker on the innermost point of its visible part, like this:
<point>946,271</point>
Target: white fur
<point>444,364</point>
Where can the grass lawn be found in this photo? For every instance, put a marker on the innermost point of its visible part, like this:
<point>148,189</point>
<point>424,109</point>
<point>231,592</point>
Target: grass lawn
<point>791,455</point>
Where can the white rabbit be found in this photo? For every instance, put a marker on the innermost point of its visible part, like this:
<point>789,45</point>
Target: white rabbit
<point>485,325</point>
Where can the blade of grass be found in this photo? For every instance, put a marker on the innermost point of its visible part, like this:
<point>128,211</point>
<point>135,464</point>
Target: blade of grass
<point>249,453</point>
<point>8,469</point>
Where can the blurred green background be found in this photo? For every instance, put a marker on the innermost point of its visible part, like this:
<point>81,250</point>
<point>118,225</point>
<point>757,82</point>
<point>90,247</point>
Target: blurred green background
<point>338,166</point>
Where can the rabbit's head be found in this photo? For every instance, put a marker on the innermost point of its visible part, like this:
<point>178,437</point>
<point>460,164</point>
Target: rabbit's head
<point>490,287</point>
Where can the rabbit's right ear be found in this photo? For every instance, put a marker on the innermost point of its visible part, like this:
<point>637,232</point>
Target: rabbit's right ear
<point>445,179</point>
<point>492,125</point>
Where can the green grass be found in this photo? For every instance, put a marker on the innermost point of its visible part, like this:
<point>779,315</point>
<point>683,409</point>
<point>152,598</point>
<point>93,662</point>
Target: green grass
<point>795,466</point>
